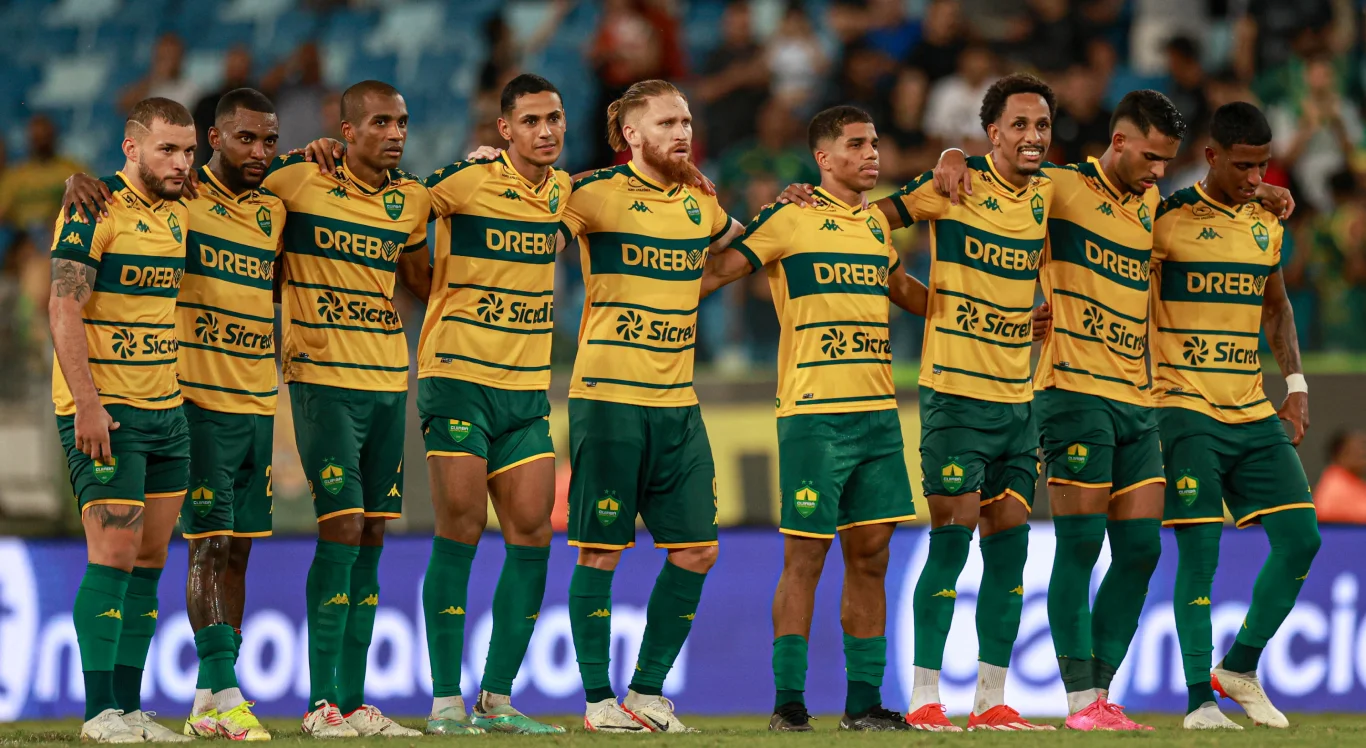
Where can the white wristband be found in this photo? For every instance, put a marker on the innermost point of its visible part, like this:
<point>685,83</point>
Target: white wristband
<point>1296,383</point>
<point>960,150</point>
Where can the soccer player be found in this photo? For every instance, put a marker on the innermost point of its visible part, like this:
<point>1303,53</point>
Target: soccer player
<point>840,456</point>
<point>637,441</point>
<point>119,415</point>
<point>351,234</point>
<point>1218,287</point>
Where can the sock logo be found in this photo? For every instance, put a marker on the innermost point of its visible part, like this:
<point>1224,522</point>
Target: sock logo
<point>608,508</point>
<point>1077,455</point>
<point>1018,591</point>
<point>152,614</point>
<point>689,616</point>
<point>451,611</point>
<point>371,599</point>
<point>333,478</point>
<point>1301,579</point>
<point>950,594</point>
<point>534,616</point>
<point>951,475</point>
<point>805,499</point>
<point>1187,488</point>
<point>1200,601</point>
<point>600,613</point>
<point>111,613</point>
<point>338,599</point>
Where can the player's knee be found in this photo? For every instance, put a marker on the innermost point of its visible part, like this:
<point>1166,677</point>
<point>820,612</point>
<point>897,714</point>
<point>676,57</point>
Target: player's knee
<point>1143,554</point>
<point>343,530</point>
<point>1299,548</point>
<point>239,550</point>
<point>372,531</point>
<point>212,552</point>
<point>868,563</point>
<point>599,558</point>
<point>152,557</point>
<point>699,559</point>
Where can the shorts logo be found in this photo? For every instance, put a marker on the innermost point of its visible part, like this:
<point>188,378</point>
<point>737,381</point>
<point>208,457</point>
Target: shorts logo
<point>694,212</point>
<point>1188,488</point>
<point>1036,207</point>
<point>951,476</point>
<point>805,499</point>
<point>459,430</point>
<point>876,228</point>
<point>106,469</point>
<point>393,204</point>
<point>608,508</point>
<point>263,220</point>
<point>333,478</point>
<point>201,499</point>
<point>1077,455</point>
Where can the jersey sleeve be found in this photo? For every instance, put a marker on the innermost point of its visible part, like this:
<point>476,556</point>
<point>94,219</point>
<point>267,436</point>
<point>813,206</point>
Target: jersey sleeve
<point>451,186</point>
<point>1280,252</point>
<point>585,202</point>
<point>417,240</point>
<point>918,200</point>
<point>1167,214</point>
<point>720,223</point>
<point>768,237</point>
<point>78,238</point>
<point>288,175</point>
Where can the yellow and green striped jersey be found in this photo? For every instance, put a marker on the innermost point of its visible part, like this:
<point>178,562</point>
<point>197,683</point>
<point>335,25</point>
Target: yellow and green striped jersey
<point>985,258</point>
<point>342,245</point>
<point>225,316</point>
<point>138,253</point>
<point>827,266</point>
<point>1095,279</point>
<point>643,247</point>
<point>491,311</point>
<point>1212,262</point>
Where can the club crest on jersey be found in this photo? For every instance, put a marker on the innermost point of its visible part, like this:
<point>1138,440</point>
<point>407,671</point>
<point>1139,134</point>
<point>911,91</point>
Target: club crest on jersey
<point>333,478</point>
<point>106,469</point>
<point>201,499</point>
<point>459,430</point>
<point>1036,207</point>
<point>1262,236</point>
<point>393,204</point>
<point>1187,488</point>
<point>554,201</point>
<point>1145,217</point>
<point>608,508</point>
<point>694,212</point>
<point>805,499</point>
<point>1077,455</point>
<point>174,223</point>
<point>876,228</point>
<point>263,220</point>
<point>951,475</point>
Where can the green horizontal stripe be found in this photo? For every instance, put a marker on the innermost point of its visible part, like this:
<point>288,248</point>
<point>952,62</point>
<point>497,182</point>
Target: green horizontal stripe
<point>629,383</point>
<point>121,362</point>
<point>229,312</point>
<point>491,364</point>
<point>75,255</point>
<point>142,325</point>
<point>229,390</point>
<point>496,289</point>
<point>499,328</point>
<point>980,339</point>
<point>226,352</point>
<point>158,399</point>
<point>980,375</point>
<point>302,228</point>
<point>841,362</point>
<point>812,273</point>
<point>1021,260</point>
<point>840,323</point>
<point>488,238</point>
<point>1111,310</point>
<point>641,346</point>
<point>1183,331</point>
<point>993,305</point>
<point>754,262</point>
<point>1209,369</point>
<point>1179,277</point>
<point>1068,243</point>
<point>117,268</point>
<point>1103,377</point>
<point>220,259</point>
<point>1216,405</point>
<point>348,328</point>
<point>618,253</point>
<point>345,365</point>
<point>859,399</point>
<point>1093,339</point>
<point>338,289</point>
<point>641,307</point>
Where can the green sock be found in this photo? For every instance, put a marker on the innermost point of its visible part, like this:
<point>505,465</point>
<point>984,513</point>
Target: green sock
<point>789,670</point>
<point>445,593</point>
<point>1079,537</point>
<point>98,617</point>
<point>1198,556</point>
<point>135,638</point>
<point>215,647</point>
<point>668,619</point>
<point>936,591</point>
<point>236,645</point>
<point>1295,540</point>
<point>590,623</point>
<point>516,605</point>
<point>864,662</point>
<point>1001,596</point>
<point>1197,694</point>
<point>1135,546</point>
<point>327,595</point>
<point>360,628</point>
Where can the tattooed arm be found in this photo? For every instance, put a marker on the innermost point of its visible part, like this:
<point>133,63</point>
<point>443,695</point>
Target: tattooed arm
<point>72,284</point>
<point>1278,320</point>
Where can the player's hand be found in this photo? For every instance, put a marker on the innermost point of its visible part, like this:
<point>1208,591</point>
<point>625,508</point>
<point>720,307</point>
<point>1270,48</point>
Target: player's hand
<point>93,424</point>
<point>951,175</point>
<point>701,182</point>
<point>326,153</point>
<point>1295,409</point>
<point>89,193</point>
<point>1278,200</point>
<point>799,194</point>
<point>192,184</point>
<point>485,152</point>
<point>1043,319</point>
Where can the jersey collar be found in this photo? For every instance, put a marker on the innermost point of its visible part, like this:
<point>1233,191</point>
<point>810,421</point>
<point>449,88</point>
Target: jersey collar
<point>364,188</point>
<point>1000,180</point>
<point>206,175</point>
<point>129,186</point>
<point>1226,210</point>
<point>820,192</point>
<point>1105,181</point>
<point>535,188</point>
<point>646,180</point>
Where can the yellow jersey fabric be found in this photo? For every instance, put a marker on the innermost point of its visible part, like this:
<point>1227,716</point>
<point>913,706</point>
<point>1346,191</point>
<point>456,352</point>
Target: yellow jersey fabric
<point>138,253</point>
<point>491,312</point>
<point>225,316</point>
<point>342,245</point>
<point>643,246</point>
<point>1095,279</point>
<point>985,258</point>
<point>827,266</point>
<point>1207,309</point>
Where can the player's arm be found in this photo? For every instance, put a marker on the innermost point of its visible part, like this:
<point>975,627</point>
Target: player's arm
<point>1278,320</point>
<point>1278,200</point>
<point>918,200</point>
<point>723,268</point>
<point>415,273</point>
<point>92,195</point>
<point>75,263</point>
<point>907,291</point>
<point>722,239</point>
<point>765,240</point>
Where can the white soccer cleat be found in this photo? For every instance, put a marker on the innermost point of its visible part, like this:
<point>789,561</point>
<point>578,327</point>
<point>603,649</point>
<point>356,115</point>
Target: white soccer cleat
<point>141,723</point>
<point>608,716</point>
<point>1208,717</point>
<point>108,727</point>
<point>367,721</point>
<point>326,722</point>
<point>655,712</point>
<point>1246,690</point>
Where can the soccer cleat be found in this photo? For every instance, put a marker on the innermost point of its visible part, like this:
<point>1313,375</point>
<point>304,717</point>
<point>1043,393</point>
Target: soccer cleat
<point>790,717</point>
<point>504,718</point>
<point>1208,717</point>
<point>203,725</point>
<point>326,722</point>
<point>108,727</point>
<point>238,723</point>
<point>655,712</point>
<point>1004,719</point>
<point>367,721</point>
<point>608,716</point>
<point>931,718</point>
<point>1122,719</point>
<point>452,721</point>
<point>878,719</point>
<point>141,723</point>
<point>1098,716</point>
<point>1246,690</point>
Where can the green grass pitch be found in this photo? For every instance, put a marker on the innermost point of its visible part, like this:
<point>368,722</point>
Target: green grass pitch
<point>1306,730</point>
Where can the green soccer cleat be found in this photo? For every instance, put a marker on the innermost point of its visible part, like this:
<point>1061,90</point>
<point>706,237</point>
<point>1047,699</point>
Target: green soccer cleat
<point>451,721</point>
<point>504,718</point>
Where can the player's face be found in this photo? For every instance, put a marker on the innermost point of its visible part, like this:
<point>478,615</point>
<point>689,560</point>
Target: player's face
<point>1023,133</point>
<point>164,156</point>
<point>1238,171</point>
<point>378,136</point>
<point>535,127</point>
<point>662,133</point>
<point>1143,158</point>
<point>852,158</point>
<point>247,142</point>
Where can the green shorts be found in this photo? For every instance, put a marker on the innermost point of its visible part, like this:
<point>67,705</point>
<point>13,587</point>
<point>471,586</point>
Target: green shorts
<point>1094,442</point>
<point>505,427</point>
<point>1251,467</point>
<point>839,470</point>
<point>631,459</point>
<point>351,446</point>
<point>151,458</point>
<point>230,458</point>
<point>978,446</point>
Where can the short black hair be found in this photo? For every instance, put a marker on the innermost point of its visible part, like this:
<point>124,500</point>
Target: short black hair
<point>994,103</point>
<point>1185,46</point>
<point>242,98</point>
<point>353,98</point>
<point>829,124</point>
<point>523,85</point>
<point>1239,123</point>
<point>1147,109</point>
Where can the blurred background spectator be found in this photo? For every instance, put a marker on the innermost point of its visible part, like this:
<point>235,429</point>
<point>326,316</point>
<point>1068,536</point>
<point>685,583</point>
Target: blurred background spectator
<point>1340,495</point>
